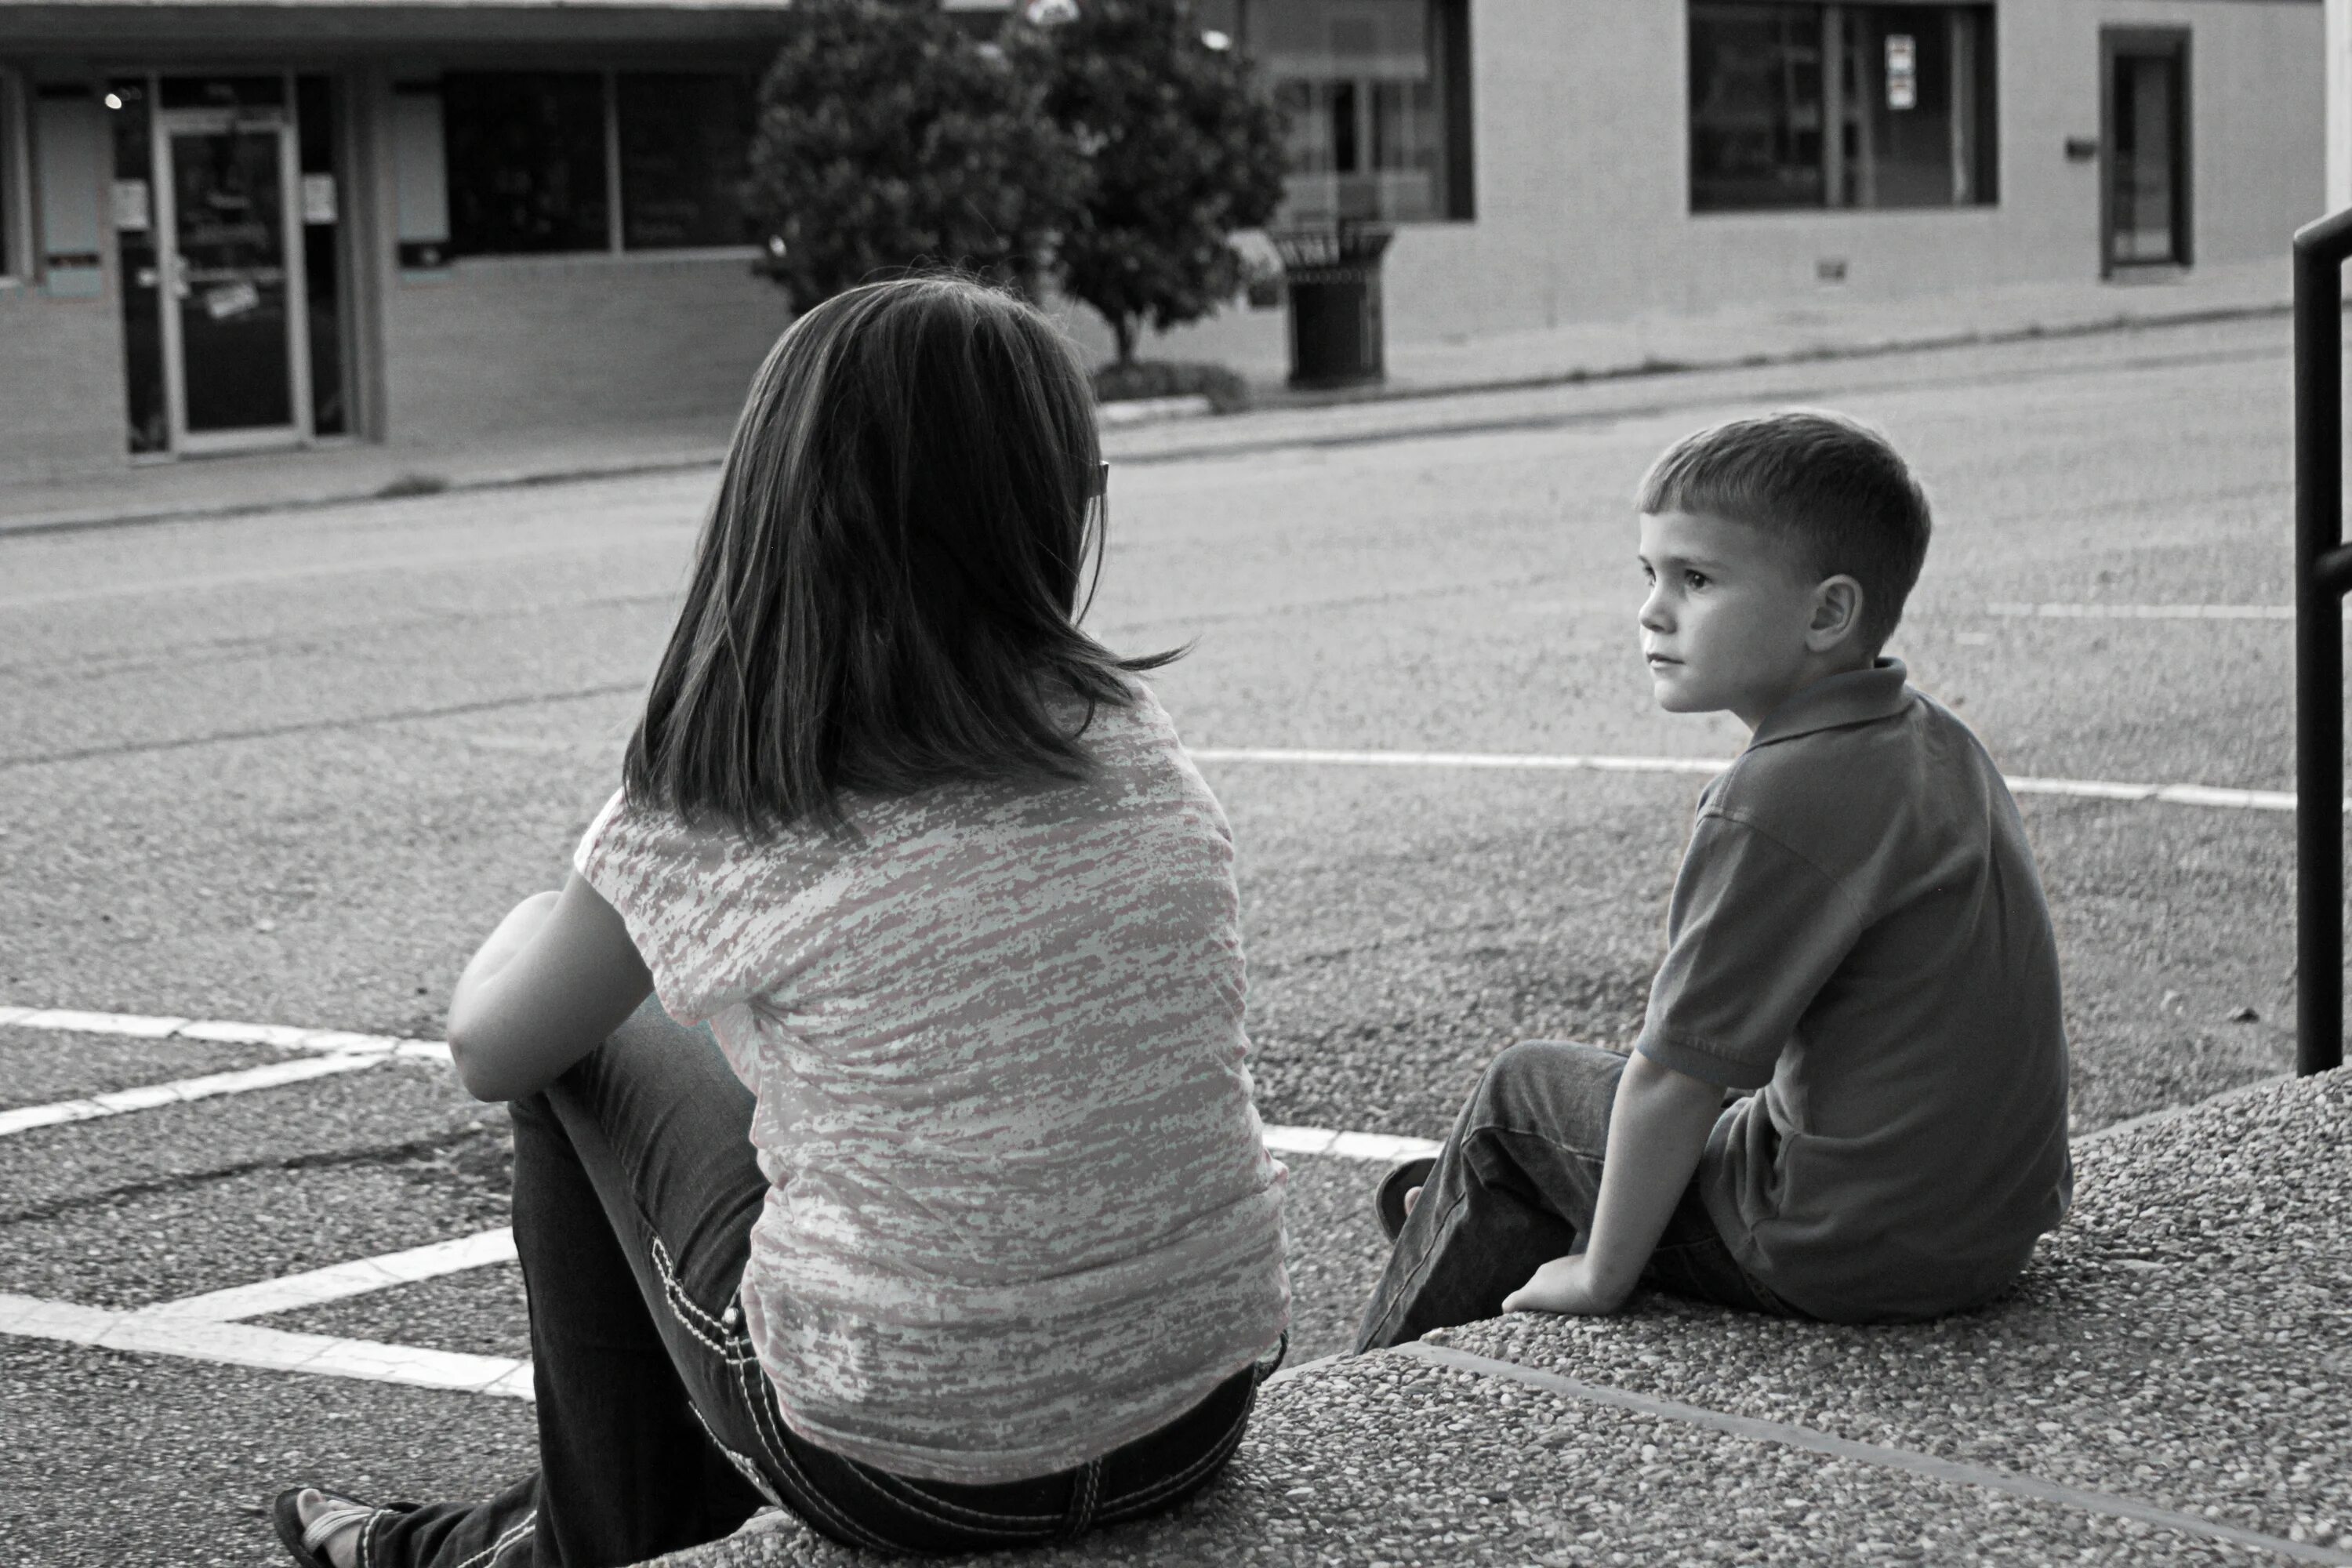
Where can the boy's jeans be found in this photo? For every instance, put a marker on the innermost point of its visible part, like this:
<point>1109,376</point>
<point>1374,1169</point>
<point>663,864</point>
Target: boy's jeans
<point>1515,1186</point>
<point>634,1191</point>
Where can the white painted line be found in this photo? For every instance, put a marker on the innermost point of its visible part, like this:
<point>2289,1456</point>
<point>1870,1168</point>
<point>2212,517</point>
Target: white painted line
<point>1378,1147</point>
<point>1927,1465</point>
<point>2143,612</point>
<point>2091,789</point>
<point>284,1036</point>
<point>273,1350</point>
<point>147,1097</point>
<point>129,1024</point>
<point>1483,760</point>
<point>357,1277</point>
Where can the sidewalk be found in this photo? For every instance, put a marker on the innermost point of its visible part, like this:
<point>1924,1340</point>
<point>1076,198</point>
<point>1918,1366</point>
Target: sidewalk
<point>1832,327</point>
<point>2171,1384</point>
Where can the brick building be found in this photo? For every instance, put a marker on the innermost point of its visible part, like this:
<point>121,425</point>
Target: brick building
<point>234,223</point>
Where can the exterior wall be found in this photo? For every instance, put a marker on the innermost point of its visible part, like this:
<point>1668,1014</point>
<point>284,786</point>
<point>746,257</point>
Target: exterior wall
<point>1583,157</point>
<point>500,345</point>
<point>61,403</point>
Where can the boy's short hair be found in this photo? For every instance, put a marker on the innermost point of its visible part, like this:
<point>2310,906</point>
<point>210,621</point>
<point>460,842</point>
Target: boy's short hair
<point>1831,485</point>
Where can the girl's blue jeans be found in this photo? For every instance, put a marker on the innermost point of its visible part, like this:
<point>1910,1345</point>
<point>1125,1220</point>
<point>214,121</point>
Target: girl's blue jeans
<point>1515,1186</point>
<point>634,1190</point>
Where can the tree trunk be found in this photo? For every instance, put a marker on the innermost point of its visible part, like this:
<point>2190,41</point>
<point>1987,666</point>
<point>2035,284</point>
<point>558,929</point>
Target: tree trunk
<point>1122,327</point>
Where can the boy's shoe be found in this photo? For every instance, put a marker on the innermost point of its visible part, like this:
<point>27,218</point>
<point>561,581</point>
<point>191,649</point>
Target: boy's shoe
<point>1388,1199</point>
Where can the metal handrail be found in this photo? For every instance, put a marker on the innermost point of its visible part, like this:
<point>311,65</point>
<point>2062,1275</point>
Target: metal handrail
<point>2323,573</point>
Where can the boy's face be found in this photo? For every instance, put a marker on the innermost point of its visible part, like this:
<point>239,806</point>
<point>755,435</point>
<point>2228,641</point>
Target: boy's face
<point>1725,623</point>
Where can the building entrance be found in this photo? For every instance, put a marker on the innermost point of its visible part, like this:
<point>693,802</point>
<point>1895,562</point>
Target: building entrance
<point>2145,107</point>
<point>230,265</point>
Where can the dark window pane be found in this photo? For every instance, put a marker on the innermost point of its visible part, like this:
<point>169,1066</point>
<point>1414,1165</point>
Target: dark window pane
<point>526,160</point>
<point>1914,75</point>
<point>1840,105</point>
<point>684,141</point>
<point>322,271</point>
<point>1755,106</point>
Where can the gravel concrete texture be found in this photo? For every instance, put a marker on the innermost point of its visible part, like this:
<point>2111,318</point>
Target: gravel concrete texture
<point>1385,1461</point>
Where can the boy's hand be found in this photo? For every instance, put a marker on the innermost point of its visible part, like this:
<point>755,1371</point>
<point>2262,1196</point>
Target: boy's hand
<point>1566,1284</point>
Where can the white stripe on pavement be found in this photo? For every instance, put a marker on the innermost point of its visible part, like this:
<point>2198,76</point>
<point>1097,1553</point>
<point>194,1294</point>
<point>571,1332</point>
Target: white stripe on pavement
<point>134,1026</point>
<point>2090,789</point>
<point>152,1333</point>
<point>358,1277</point>
<point>1381,1147</point>
<point>147,1097</point>
<point>2143,612</point>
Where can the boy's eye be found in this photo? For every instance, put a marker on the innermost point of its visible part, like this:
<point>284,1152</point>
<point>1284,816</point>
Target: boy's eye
<point>1695,579</point>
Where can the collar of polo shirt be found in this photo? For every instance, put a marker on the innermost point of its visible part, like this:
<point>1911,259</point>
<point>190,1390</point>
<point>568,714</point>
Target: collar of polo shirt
<point>1857,697</point>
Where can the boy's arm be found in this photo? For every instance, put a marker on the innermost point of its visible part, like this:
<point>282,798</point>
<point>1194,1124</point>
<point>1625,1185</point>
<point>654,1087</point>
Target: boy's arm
<point>1657,1130</point>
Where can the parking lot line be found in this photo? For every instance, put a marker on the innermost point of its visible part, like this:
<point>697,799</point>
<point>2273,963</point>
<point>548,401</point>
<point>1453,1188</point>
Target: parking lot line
<point>1539,761</point>
<point>153,1333</point>
<point>2096,612</point>
<point>335,1283</point>
<point>148,1097</point>
<point>354,1051</point>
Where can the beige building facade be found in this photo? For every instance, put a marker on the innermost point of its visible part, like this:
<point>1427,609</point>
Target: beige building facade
<point>229,227</point>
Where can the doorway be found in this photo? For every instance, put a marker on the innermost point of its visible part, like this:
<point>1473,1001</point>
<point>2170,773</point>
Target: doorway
<point>2145,220</point>
<point>225,211</point>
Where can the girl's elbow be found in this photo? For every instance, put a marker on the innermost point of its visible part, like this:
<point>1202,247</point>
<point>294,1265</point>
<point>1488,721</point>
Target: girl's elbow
<point>477,1072</point>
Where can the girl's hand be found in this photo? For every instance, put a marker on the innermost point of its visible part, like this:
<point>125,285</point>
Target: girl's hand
<point>1565,1285</point>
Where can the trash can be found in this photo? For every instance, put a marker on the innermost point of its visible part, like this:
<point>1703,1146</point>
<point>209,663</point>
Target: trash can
<point>1333,278</point>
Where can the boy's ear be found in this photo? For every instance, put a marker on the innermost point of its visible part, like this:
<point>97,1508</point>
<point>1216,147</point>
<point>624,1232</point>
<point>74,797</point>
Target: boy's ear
<point>1837,612</point>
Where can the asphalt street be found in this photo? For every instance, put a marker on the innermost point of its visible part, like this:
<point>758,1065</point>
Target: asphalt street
<point>289,767</point>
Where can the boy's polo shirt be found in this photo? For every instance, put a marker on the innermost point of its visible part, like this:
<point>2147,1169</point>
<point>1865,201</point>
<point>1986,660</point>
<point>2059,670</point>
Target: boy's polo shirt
<point>1858,931</point>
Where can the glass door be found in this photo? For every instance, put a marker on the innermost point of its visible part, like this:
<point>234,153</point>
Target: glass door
<point>233,309</point>
<point>2146,103</point>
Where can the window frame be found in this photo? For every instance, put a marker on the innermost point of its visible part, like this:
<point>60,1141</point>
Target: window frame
<point>1985,176</point>
<point>613,249</point>
<point>1452,87</point>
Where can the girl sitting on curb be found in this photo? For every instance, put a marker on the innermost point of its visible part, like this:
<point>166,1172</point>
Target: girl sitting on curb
<point>930,1202</point>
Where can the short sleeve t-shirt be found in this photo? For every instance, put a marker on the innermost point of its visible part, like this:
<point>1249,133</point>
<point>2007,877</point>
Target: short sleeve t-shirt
<point>1020,1208</point>
<point>1858,932</point>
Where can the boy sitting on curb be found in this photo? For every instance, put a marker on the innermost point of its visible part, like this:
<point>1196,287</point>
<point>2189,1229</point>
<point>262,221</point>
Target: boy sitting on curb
<point>1857,932</point>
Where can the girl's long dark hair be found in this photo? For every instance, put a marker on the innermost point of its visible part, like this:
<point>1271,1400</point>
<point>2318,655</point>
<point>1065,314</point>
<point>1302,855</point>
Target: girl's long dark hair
<point>886,595</point>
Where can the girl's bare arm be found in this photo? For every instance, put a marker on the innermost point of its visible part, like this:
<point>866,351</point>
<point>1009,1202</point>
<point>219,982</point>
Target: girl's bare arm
<point>556,977</point>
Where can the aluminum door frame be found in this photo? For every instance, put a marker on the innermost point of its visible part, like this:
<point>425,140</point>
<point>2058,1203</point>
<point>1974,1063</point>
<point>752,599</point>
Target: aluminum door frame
<point>164,124</point>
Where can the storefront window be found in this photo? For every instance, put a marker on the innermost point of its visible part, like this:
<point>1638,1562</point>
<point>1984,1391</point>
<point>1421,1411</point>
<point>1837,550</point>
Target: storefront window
<point>1840,106</point>
<point>525,156</point>
<point>684,144</point>
<point>1376,92</point>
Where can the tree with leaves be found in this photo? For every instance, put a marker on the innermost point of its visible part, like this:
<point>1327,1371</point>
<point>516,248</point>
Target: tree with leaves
<point>1180,148</point>
<point>888,138</point>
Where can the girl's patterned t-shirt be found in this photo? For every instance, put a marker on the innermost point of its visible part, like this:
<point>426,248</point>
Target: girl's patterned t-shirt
<point>1020,1209</point>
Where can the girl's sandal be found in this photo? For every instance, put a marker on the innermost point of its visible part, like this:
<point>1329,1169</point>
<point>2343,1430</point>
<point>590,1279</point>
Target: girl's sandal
<point>307,1543</point>
<point>1389,1199</point>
